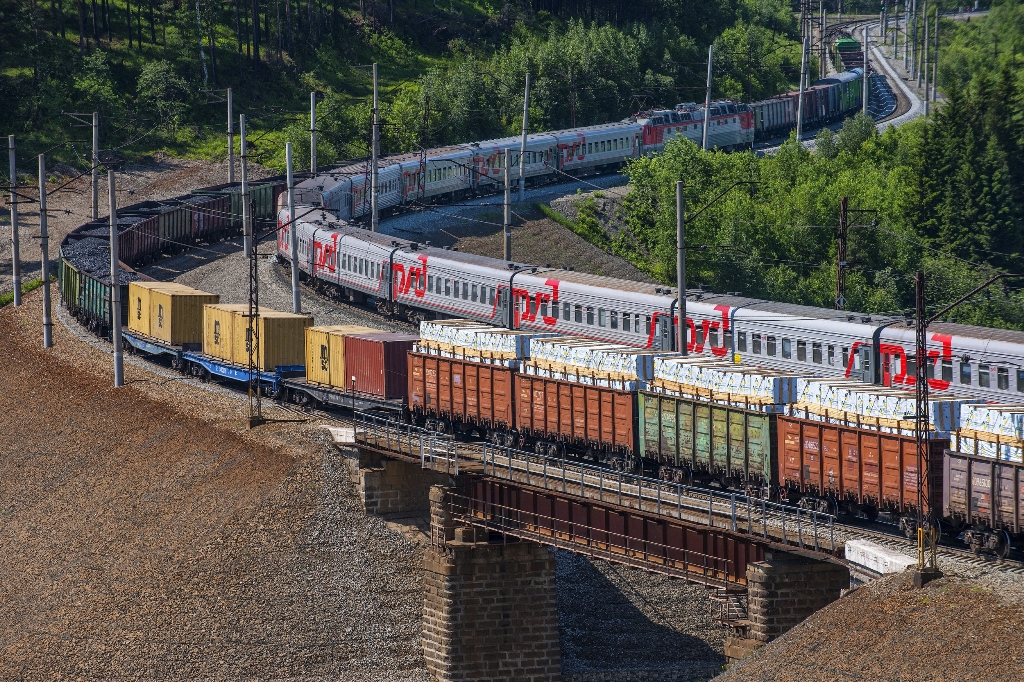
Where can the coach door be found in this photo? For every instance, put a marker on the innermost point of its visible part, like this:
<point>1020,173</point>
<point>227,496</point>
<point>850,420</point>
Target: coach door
<point>662,337</point>
<point>504,307</point>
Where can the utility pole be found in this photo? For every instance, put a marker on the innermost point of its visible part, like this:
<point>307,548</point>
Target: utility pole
<point>95,165</point>
<point>508,205</point>
<point>115,286</point>
<point>707,99</point>
<point>908,35</point>
<point>293,237</point>
<point>247,241</point>
<point>312,134</point>
<point>231,140</point>
<point>522,145</point>
<point>800,96</point>
<point>93,122</point>
<point>253,340</point>
<point>841,256</point>
<point>682,326</point>
<point>374,151</point>
<point>922,71</point>
<point>44,248</point>
<point>935,58</point>
<point>865,75</point>
<point>15,248</point>
<point>927,569</point>
<point>913,52</point>
<point>927,71</point>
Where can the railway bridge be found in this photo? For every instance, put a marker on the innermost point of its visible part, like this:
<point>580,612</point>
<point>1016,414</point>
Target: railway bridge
<point>489,609</point>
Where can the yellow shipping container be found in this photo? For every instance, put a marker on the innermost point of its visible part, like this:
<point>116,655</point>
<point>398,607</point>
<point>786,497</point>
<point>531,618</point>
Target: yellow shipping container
<point>218,329</point>
<point>176,315</point>
<point>282,339</point>
<point>140,304</point>
<point>325,353</point>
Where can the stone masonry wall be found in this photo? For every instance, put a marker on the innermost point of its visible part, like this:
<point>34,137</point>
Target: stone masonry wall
<point>395,487</point>
<point>785,589</point>
<point>490,613</point>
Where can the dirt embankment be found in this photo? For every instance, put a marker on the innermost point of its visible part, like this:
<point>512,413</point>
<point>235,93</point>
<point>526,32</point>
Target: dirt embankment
<point>146,534</point>
<point>953,629</point>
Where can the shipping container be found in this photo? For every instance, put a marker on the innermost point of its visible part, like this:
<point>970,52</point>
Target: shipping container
<point>592,417</point>
<point>325,353</point>
<point>981,491</point>
<point>472,393</point>
<point>168,311</point>
<point>705,438</point>
<point>219,329</point>
<point>377,363</point>
<point>857,467</point>
<point>282,339</point>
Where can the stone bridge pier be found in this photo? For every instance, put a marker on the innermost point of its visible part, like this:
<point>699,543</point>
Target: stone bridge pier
<point>489,607</point>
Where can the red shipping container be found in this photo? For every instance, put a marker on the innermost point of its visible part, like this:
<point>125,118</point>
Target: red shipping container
<point>377,363</point>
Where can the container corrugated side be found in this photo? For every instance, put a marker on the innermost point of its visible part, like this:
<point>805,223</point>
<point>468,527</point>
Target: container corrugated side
<point>379,364</point>
<point>980,491</point>
<point>176,314</point>
<point>282,339</point>
<point>219,329</point>
<point>325,353</point>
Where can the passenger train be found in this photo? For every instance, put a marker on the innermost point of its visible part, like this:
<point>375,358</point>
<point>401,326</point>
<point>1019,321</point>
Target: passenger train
<point>419,281</point>
<point>478,167</point>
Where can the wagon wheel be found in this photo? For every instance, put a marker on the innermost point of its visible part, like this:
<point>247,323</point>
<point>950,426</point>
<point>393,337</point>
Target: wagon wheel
<point>871,512</point>
<point>1004,546</point>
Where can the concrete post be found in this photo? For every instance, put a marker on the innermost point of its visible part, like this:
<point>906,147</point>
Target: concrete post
<point>293,237</point>
<point>15,248</point>
<point>115,288</point>
<point>44,242</point>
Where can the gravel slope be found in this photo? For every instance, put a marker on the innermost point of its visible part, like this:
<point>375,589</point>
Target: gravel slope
<point>953,629</point>
<point>147,534</point>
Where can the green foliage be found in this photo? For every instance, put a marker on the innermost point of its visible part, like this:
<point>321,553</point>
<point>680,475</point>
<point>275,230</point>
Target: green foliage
<point>450,71</point>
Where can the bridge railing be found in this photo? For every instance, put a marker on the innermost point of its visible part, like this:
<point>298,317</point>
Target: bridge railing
<point>603,543</point>
<point>734,511</point>
<point>790,525</point>
<point>436,451</point>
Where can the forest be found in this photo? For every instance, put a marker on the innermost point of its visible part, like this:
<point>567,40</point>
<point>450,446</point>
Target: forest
<point>943,195</point>
<point>450,70</point>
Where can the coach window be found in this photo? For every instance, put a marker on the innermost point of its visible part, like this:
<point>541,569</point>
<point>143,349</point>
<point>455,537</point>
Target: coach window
<point>846,354</point>
<point>770,345</point>
<point>801,351</point>
<point>465,291</point>
<point>543,308</point>
<point>430,283</point>
<point>965,373</point>
<point>787,348</point>
<point>983,376</point>
<point>614,320</point>
<point>755,342</point>
<point>1002,379</point>
<point>947,371</point>
<point>636,323</point>
<point>362,266</point>
<point>727,339</point>
<point>602,317</point>
<point>566,312</point>
<point>700,337</point>
<point>831,354</point>
<point>590,315</point>
<point>1020,380</point>
<point>741,342</point>
<point>579,314</point>
<point>713,337</point>
<point>447,287</point>
<point>816,353</point>
<point>473,295</point>
<point>625,322</point>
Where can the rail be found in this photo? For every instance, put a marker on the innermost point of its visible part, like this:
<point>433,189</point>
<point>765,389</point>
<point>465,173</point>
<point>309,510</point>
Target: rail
<point>735,512</point>
<point>575,536</point>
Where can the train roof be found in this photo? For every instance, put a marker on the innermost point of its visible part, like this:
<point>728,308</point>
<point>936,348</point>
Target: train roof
<point>600,281</point>
<point>969,331</point>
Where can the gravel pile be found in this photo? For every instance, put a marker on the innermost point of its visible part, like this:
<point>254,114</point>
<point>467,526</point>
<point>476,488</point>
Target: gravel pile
<point>953,629</point>
<point>624,624</point>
